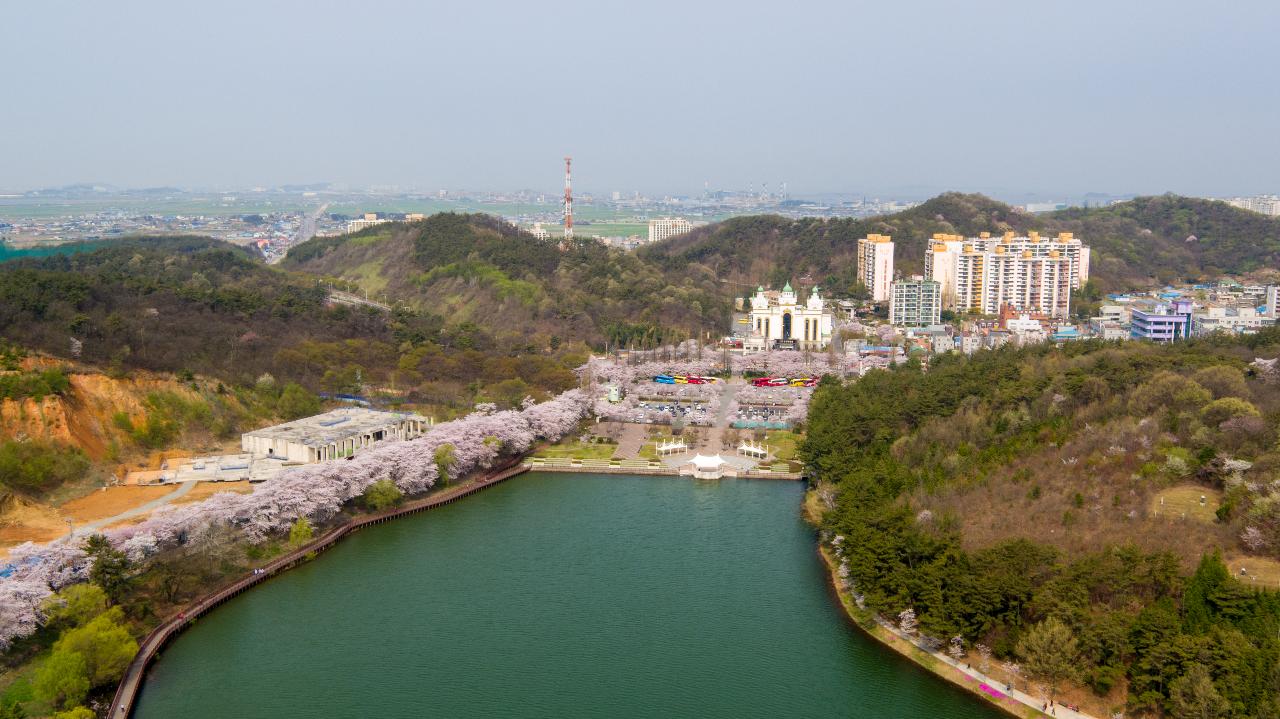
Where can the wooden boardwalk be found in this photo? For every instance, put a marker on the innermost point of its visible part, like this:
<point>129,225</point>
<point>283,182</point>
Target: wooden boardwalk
<point>127,693</point>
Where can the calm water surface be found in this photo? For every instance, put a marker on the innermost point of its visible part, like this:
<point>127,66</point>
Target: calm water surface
<point>555,596</point>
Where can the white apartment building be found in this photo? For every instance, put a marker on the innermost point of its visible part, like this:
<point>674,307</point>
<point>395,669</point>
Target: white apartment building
<point>664,227</point>
<point>1032,274</point>
<point>915,303</point>
<point>539,231</point>
<point>1265,204</point>
<point>875,265</point>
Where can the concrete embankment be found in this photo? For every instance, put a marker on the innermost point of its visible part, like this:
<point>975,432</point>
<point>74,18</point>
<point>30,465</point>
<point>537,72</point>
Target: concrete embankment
<point>642,467</point>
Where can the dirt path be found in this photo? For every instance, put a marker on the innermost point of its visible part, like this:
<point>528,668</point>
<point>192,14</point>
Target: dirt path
<point>145,508</point>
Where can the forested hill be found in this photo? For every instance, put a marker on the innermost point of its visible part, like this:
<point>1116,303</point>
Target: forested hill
<point>767,249</point>
<point>204,306</point>
<point>1134,243</point>
<point>1169,237</point>
<point>1072,508</point>
<point>479,270</point>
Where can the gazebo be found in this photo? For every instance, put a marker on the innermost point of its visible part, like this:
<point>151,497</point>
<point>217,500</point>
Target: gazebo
<point>707,467</point>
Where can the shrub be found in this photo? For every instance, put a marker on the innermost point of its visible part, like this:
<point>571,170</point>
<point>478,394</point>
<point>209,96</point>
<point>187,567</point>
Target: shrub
<point>381,495</point>
<point>1222,381</point>
<point>35,467</point>
<point>1221,410</point>
<point>36,385</point>
<point>296,402</point>
<point>63,680</point>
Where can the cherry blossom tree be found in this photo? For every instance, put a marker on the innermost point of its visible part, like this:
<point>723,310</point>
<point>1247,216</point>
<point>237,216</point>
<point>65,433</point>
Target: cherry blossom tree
<point>984,656</point>
<point>316,492</point>
<point>907,621</point>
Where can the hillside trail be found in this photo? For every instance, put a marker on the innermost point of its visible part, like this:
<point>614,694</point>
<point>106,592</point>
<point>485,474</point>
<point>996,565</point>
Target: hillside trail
<point>142,509</point>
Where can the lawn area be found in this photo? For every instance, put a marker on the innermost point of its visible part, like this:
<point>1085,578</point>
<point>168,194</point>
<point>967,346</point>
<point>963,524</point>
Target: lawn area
<point>368,276</point>
<point>649,450</point>
<point>578,450</point>
<point>1258,571</point>
<point>782,443</point>
<point>1184,500</point>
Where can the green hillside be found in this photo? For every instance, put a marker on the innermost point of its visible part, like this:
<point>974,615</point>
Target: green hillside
<point>1096,486</point>
<point>522,290</point>
<point>1135,243</point>
<point>199,305</point>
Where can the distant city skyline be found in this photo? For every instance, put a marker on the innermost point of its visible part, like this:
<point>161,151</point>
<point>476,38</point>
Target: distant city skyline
<point>903,99</point>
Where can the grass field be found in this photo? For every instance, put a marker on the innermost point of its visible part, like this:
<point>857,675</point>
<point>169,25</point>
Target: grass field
<point>782,444</point>
<point>577,450</point>
<point>1257,570</point>
<point>1184,501</point>
<point>368,276</point>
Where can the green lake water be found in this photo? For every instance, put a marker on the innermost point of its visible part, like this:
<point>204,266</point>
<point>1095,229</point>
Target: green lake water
<point>555,595</point>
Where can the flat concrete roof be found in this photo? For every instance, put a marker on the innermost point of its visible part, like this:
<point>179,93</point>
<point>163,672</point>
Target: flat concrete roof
<point>333,426</point>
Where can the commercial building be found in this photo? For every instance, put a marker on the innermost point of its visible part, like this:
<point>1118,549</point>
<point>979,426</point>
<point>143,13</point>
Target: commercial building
<point>875,265</point>
<point>1118,314</point>
<point>1106,329</point>
<point>369,220</point>
<point>664,227</point>
<point>332,435</point>
<point>1163,323</point>
<point>915,303</point>
<point>983,274</point>
<point>1232,320</point>
<point>779,320</point>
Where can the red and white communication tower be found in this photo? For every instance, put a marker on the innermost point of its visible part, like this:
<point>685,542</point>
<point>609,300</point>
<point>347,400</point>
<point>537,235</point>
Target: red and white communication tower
<point>568,199</point>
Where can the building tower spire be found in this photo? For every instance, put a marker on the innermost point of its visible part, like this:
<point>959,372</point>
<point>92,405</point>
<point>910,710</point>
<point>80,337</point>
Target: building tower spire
<point>568,199</point>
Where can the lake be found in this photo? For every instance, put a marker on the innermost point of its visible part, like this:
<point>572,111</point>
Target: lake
<point>555,595</point>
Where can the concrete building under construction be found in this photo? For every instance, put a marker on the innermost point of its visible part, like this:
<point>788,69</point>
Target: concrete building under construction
<point>332,435</point>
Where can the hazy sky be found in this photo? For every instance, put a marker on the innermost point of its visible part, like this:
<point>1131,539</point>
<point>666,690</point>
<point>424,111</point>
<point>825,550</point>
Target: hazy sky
<point>844,95</point>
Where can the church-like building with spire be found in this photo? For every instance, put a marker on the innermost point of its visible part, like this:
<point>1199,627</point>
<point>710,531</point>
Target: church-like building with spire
<point>780,321</point>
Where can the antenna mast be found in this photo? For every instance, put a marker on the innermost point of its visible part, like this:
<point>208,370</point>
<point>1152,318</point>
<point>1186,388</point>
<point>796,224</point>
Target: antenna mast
<point>568,199</point>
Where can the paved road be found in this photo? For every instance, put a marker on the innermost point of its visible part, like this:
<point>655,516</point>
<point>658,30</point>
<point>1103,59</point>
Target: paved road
<point>994,684</point>
<point>730,390</point>
<point>306,230</point>
<point>91,527</point>
<point>630,441</point>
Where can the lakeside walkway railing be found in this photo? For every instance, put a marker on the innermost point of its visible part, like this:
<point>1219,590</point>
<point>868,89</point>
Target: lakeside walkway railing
<point>127,692</point>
